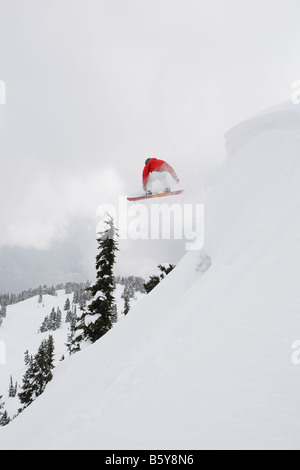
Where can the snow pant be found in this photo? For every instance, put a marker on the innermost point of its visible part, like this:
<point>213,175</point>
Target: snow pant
<point>162,177</point>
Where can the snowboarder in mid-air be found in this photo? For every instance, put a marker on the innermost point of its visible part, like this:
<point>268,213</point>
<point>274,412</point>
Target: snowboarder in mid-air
<point>157,170</point>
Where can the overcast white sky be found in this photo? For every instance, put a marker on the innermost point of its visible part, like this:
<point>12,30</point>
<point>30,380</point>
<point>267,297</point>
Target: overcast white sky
<point>93,87</point>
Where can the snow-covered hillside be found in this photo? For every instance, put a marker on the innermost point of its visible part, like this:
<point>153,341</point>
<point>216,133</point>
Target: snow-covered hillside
<point>205,360</point>
<point>20,332</point>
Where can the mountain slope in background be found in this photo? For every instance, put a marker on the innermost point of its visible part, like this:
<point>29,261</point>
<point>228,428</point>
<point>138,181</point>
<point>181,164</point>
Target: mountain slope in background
<point>204,360</point>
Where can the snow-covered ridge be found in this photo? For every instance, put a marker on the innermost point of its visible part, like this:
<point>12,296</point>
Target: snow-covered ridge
<point>285,117</point>
<point>205,361</point>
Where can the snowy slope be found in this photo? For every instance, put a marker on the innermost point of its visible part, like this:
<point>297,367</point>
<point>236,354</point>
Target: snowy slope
<point>205,360</point>
<point>20,332</point>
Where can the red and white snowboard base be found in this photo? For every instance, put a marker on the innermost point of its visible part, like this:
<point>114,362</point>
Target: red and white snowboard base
<point>150,196</point>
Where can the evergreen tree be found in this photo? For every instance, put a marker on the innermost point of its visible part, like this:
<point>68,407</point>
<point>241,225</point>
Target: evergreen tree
<point>55,319</point>
<point>114,313</point>
<point>40,294</point>
<point>4,418</point>
<point>73,342</point>
<point>2,313</point>
<point>126,305</point>
<point>129,290</point>
<point>165,269</point>
<point>12,390</point>
<point>26,395</point>
<point>27,358</point>
<point>51,322</point>
<point>100,315</point>
<point>38,373</point>
<point>67,304</point>
<point>45,326</point>
<point>44,364</point>
<point>71,317</point>
<point>154,280</point>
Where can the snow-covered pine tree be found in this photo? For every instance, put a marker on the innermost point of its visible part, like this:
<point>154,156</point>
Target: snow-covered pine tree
<point>73,342</point>
<point>44,360</point>
<point>51,322</point>
<point>149,285</point>
<point>55,319</point>
<point>40,291</point>
<point>38,373</point>
<point>67,305</point>
<point>4,418</point>
<point>12,390</point>
<point>129,291</point>
<point>126,305</point>
<point>3,311</point>
<point>45,326</point>
<point>71,318</point>
<point>26,396</point>
<point>27,358</point>
<point>154,280</point>
<point>100,315</point>
<point>165,269</point>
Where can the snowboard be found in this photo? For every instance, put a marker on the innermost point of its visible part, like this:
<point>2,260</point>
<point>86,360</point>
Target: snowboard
<point>150,196</point>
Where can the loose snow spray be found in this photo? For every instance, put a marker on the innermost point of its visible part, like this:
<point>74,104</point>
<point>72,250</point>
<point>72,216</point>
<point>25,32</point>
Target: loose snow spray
<point>156,221</point>
<point>296,354</point>
<point>2,92</point>
<point>2,353</point>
